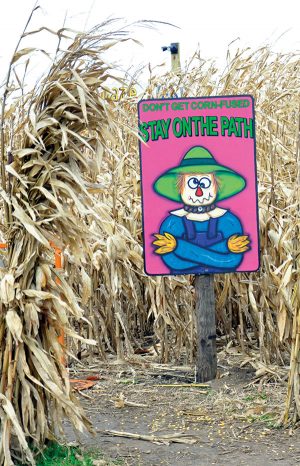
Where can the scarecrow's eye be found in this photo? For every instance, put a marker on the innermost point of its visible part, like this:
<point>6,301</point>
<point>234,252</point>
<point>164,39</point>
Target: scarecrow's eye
<point>193,183</point>
<point>204,182</point>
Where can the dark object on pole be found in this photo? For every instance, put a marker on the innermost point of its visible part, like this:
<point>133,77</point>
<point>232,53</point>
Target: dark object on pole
<point>206,362</point>
<point>173,47</point>
<point>175,56</point>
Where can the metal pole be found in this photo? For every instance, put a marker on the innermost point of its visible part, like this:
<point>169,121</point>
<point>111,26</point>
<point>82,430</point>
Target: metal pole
<point>174,48</point>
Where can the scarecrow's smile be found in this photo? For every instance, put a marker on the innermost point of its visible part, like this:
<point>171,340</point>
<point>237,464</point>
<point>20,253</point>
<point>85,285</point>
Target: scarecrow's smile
<point>201,200</point>
<point>198,189</point>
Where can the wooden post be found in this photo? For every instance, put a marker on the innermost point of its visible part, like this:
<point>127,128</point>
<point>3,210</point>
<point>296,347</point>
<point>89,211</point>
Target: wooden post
<point>206,363</point>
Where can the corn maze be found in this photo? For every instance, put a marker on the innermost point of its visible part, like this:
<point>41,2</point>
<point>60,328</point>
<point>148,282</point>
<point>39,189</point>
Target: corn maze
<point>70,177</point>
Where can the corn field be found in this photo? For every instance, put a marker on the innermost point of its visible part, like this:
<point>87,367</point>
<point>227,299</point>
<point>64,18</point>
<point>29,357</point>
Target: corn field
<point>70,179</point>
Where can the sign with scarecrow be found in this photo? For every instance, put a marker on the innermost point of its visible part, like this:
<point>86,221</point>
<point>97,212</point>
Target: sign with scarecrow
<point>199,185</point>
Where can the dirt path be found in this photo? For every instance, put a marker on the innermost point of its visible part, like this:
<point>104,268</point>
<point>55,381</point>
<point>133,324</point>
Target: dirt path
<point>232,421</point>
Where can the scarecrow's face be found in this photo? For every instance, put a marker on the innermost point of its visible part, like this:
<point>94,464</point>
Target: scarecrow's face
<point>198,189</point>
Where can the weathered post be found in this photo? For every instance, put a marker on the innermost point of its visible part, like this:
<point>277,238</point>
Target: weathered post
<point>206,362</point>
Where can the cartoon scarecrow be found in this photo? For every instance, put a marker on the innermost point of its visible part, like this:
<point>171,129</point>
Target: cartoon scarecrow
<point>200,237</point>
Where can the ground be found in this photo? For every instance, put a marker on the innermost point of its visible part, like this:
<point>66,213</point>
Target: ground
<point>231,421</point>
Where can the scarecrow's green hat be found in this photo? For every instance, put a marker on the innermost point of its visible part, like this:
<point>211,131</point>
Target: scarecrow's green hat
<point>200,160</point>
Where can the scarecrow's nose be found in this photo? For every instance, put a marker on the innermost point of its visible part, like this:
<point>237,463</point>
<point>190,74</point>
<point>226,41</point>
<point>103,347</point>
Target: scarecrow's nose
<point>199,191</point>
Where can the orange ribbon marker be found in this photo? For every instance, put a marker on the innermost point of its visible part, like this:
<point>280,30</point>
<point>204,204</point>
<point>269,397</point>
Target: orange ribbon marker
<point>58,265</point>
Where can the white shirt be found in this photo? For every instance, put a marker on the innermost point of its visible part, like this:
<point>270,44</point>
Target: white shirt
<point>200,217</point>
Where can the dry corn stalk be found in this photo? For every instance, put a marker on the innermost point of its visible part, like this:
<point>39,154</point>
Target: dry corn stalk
<point>52,140</point>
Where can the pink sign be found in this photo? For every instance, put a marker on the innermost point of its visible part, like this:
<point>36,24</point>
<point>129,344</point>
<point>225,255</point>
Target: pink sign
<point>199,185</point>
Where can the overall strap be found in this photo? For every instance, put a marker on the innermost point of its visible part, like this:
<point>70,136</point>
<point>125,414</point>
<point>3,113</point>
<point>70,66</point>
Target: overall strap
<point>190,229</point>
<point>212,228</point>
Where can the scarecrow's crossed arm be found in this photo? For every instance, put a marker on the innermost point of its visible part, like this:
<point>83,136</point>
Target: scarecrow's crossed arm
<point>226,253</point>
<point>167,243</point>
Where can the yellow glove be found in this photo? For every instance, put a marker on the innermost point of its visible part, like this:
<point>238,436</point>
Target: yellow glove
<point>237,243</point>
<point>167,243</point>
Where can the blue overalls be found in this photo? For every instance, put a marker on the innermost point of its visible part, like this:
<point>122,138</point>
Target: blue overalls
<point>203,239</point>
<point>202,247</point>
